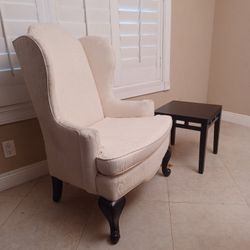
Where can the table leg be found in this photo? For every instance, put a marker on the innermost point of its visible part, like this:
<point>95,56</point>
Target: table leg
<point>216,134</point>
<point>173,133</point>
<point>203,143</point>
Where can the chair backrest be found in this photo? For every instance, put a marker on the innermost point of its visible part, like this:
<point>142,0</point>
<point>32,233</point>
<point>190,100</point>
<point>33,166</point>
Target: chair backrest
<point>72,94</point>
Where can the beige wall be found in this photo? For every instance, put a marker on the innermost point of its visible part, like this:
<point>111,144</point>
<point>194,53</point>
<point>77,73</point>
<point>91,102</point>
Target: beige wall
<point>229,82</point>
<point>28,141</point>
<point>192,28</point>
<point>192,25</point>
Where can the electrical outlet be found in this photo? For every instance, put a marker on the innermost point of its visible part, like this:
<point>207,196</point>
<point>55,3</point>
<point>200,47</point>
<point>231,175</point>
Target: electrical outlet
<point>9,148</point>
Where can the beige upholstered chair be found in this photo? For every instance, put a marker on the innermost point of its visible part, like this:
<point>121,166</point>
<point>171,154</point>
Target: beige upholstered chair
<point>93,141</point>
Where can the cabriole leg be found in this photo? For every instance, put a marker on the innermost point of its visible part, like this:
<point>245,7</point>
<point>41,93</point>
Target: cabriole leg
<point>165,170</point>
<point>112,211</point>
<point>57,187</point>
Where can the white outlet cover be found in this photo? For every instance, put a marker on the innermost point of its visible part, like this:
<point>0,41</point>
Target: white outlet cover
<point>9,148</point>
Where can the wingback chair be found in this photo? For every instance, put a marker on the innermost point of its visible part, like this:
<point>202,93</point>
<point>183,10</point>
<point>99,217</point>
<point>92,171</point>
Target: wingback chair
<point>93,141</point>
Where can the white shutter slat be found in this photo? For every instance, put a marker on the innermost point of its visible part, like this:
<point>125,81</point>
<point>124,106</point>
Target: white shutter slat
<point>128,16</point>
<point>134,62</point>
<point>128,52</point>
<point>70,14</point>
<point>20,12</point>
<point>99,17</point>
<point>18,2</point>
<point>131,5</point>
<point>97,4</point>
<point>147,16</point>
<point>151,5</point>
<point>129,79</point>
<point>129,28</point>
<point>65,14</point>
<point>99,30</point>
<point>75,4</point>
<point>17,28</point>
<point>134,39</point>
<point>77,29</point>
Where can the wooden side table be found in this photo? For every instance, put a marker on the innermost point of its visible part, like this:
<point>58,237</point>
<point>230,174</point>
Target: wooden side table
<point>204,115</point>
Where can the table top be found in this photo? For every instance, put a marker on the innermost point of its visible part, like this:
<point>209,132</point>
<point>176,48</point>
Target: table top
<point>200,111</point>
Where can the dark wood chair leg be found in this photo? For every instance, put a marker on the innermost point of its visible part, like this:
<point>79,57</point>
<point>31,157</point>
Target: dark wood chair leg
<point>112,211</point>
<point>165,170</point>
<point>57,187</point>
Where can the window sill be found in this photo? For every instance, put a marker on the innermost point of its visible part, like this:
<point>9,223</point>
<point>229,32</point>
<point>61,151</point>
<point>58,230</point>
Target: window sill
<point>17,112</point>
<point>134,90</point>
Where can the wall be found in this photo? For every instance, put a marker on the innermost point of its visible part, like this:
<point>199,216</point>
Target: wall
<point>28,141</point>
<point>192,28</point>
<point>192,25</point>
<point>229,82</point>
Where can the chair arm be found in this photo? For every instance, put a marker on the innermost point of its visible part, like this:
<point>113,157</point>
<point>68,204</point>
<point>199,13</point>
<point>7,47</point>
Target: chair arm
<point>89,150</point>
<point>80,148</point>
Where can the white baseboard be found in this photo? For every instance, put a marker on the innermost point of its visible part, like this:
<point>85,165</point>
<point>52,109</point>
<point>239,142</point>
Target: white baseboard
<point>236,118</point>
<point>22,175</point>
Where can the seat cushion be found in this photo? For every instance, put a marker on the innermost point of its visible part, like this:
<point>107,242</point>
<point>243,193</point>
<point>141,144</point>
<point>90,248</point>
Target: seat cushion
<point>126,142</point>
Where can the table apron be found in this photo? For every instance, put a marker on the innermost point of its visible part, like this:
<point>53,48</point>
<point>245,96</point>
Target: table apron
<point>187,126</point>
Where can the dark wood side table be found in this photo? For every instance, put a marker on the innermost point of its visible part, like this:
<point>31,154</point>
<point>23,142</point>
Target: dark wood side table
<point>194,116</point>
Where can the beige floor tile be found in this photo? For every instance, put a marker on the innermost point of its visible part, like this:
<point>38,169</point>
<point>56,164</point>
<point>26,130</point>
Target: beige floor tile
<point>215,185</point>
<point>235,154</point>
<point>10,198</point>
<point>7,206</point>
<point>210,226</point>
<point>38,223</point>
<point>19,191</point>
<point>239,168</point>
<point>145,225</point>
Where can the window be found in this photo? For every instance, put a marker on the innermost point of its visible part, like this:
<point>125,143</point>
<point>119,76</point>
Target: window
<point>139,31</point>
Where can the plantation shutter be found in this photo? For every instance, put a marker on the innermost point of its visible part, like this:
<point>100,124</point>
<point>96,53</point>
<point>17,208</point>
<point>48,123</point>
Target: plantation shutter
<point>84,17</point>
<point>139,49</point>
<point>16,17</point>
<point>69,14</point>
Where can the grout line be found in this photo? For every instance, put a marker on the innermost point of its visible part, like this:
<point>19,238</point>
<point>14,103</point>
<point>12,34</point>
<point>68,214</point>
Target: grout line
<point>171,226</point>
<point>235,182</point>
<point>19,203</point>
<point>84,229</point>
<point>207,203</point>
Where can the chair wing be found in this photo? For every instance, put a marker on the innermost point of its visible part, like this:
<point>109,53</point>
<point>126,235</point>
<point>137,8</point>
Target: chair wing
<point>102,62</point>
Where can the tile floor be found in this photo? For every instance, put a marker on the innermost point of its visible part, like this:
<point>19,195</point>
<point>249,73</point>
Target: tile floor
<point>185,211</point>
